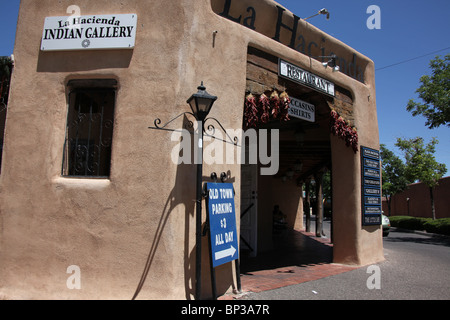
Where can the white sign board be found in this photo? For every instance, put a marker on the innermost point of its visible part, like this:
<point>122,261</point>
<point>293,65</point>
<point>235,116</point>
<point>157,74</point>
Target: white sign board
<point>89,32</point>
<point>304,77</point>
<point>302,110</point>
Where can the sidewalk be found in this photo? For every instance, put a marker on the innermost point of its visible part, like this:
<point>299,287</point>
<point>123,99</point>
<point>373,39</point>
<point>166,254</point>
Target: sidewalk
<point>300,257</point>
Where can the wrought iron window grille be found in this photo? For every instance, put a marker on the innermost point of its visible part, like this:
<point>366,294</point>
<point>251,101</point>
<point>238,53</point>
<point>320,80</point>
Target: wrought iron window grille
<point>89,132</point>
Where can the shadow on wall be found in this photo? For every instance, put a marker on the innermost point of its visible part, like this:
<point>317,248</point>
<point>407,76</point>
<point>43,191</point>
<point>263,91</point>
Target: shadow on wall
<point>186,175</point>
<point>178,195</point>
<point>184,193</point>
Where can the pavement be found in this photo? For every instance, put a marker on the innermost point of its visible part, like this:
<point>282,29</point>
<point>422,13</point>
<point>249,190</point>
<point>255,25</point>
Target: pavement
<point>298,257</point>
<point>301,268</point>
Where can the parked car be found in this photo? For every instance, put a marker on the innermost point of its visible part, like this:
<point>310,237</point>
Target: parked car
<point>386,224</point>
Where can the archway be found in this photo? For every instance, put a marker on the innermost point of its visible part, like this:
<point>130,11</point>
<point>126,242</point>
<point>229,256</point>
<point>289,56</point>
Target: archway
<point>305,153</point>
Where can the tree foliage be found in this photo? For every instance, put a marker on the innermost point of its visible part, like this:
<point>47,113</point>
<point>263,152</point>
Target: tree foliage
<point>435,93</point>
<point>393,175</point>
<point>5,77</point>
<point>421,165</point>
<point>5,67</point>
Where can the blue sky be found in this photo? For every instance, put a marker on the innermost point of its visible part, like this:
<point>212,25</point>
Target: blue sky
<point>409,29</point>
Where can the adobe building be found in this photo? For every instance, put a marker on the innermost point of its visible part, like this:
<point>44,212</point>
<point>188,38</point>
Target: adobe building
<point>95,205</point>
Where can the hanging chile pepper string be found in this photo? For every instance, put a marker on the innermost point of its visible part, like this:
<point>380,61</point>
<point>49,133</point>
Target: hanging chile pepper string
<point>251,111</point>
<point>285,102</point>
<point>275,104</point>
<point>340,128</point>
<point>264,104</point>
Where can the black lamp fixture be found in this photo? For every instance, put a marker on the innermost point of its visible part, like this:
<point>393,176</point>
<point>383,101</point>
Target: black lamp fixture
<point>331,63</point>
<point>201,103</point>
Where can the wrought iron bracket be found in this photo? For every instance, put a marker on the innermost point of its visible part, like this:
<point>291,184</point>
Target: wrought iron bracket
<point>209,130</point>
<point>158,121</point>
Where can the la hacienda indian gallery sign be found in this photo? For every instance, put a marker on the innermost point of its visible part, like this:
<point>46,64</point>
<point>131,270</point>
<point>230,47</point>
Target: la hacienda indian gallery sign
<point>89,32</point>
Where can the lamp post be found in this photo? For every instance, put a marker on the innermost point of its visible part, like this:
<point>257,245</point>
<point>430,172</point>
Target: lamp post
<point>201,104</point>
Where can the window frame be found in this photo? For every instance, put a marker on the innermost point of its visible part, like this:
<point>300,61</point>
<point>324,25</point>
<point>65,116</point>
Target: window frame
<point>74,118</point>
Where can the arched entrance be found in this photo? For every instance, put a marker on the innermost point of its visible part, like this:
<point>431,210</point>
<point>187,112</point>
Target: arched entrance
<point>305,155</point>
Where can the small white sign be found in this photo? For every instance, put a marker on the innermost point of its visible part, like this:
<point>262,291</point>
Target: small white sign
<point>297,74</point>
<point>89,32</point>
<point>302,110</point>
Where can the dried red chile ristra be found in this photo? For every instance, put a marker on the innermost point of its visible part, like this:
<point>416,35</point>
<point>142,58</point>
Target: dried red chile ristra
<point>250,111</point>
<point>340,128</point>
<point>275,104</point>
<point>285,101</point>
<point>262,109</point>
<point>264,105</point>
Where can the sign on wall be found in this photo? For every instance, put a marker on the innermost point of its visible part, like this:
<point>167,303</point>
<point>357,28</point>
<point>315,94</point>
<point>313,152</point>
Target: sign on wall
<point>89,32</point>
<point>371,186</point>
<point>222,223</point>
<point>297,74</point>
<point>302,110</point>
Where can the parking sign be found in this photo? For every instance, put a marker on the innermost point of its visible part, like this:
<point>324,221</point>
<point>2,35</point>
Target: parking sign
<point>222,223</point>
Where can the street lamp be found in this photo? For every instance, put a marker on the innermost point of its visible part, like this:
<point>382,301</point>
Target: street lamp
<point>201,104</point>
<point>331,63</point>
<point>321,11</point>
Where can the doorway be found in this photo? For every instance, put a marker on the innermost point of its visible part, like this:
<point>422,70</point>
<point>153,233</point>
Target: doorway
<point>249,209</point>
<point>304,149</point>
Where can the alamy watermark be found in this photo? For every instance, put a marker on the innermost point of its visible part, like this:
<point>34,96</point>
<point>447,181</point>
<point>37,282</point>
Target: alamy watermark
<point>374,280</point>
<point>75,12</point>
<point>256,146</point>
<point>74,280</point>
<point>374,21</point>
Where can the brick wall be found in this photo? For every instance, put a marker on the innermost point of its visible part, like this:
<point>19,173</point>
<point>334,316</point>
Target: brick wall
<point>419,204</point>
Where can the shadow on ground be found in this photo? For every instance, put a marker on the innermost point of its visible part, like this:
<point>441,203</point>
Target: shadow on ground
<point>292,249</point>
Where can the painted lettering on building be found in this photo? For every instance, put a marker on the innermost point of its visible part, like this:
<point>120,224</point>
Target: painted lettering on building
<point>285,28</point>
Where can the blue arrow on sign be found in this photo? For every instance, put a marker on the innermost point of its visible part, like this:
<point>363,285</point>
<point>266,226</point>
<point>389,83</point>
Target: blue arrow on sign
<point>225,253</point>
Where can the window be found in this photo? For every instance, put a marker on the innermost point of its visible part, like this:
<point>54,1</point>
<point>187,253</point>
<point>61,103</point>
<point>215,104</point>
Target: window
<point>89,132</point>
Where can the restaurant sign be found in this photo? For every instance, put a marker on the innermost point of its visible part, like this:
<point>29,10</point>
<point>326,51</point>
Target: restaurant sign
<point>89,32</point>
<point>297,74</point>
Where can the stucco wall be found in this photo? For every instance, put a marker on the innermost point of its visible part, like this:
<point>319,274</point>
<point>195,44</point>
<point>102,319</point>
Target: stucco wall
<point>139,224</point>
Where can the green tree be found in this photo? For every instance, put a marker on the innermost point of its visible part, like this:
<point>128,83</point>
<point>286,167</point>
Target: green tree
<point>393,175</point>
<point>5,75</point>
<point>435,92</point>
<point>421,165</point>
